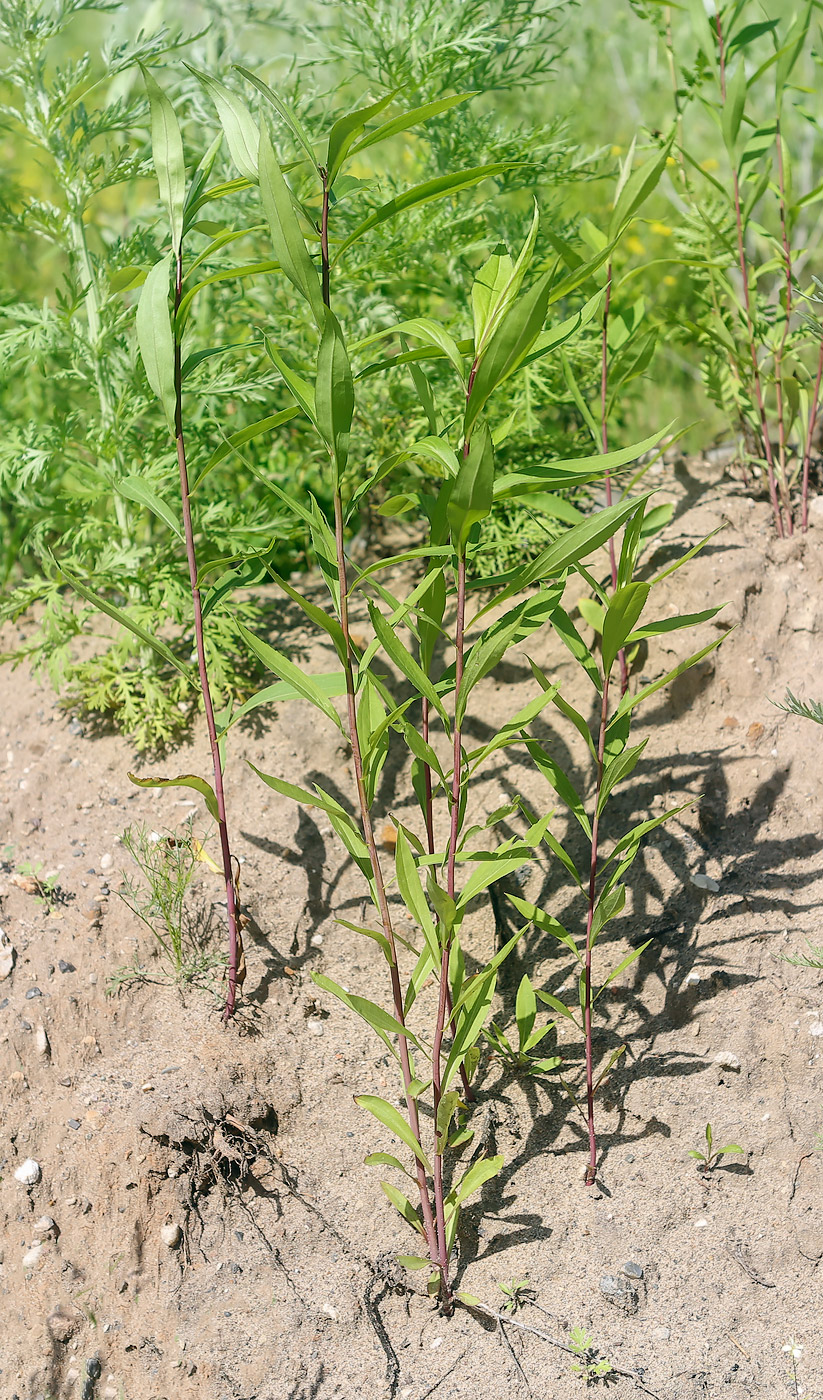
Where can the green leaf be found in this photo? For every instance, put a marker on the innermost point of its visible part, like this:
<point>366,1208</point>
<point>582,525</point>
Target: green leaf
<point>372,730</point>
<point>637,189</point>
<point>330,682</point>
<point>525,1009</point>
<point>517,624</point>
<point>380,1021</point>
<point>609,905</point>
<point>471,495</point>
<point>475,1008</point>
<point>622,965</point>
<point>406,120</point>
<point>402,1204</point>
<point>305,685</point>
<point>622,613</point>
<point>188,780</point>
<point>480,1171</point>
<point>404,661</point>
<point>672,624</point>
<point>414,1261</point>
<point>247,434</point>
<point>384,1159</point>
<point>420,328</point>
<point>571,471</point>
<point>545,922</point>
<point>619,769</point>
<point>287,240</point>
<point>563,786</point>
<point>155,338</point>
<point>438,188</point>
<point>302,390</point>
<point>411,891</point>
<point>630,701</point>
<point>289,117</point>
<point>496,285</point>
<point>345,132</point>
<point>446,1110</point>
<point>167,153</point>
<point>136,490</point>
<point>733,108</point>
<point>508,346</point>
<point>512,730</point>
<point>117,614</point>
<point>334,391</point>
<point>236,121</point>
<point>389,1116</point>
<point>556,1005</point>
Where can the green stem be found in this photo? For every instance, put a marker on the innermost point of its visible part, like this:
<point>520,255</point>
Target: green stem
<point>591,1169</point>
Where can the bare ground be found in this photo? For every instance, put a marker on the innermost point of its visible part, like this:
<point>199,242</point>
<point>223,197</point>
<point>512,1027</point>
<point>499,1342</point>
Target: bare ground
<point>144,1111</point>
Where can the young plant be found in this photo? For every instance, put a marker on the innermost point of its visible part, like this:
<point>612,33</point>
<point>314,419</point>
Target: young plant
<point>519,1057</point>
<point>590,1366</point>
<point>518,1292</point>
<point>601,884</point>
<point>508,318</point>
<point>167,865</point>
<point>710,1157</point>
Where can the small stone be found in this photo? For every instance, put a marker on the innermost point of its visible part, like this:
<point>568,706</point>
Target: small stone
<point>93,1369</point>
<point>72,1375</point>
<point>41,1042</point>
<point>32,993</point>
<point>315,1027</point>
<point>632,1270</point>
<point>705,882</point>
<point>147,1088</point>
<point>816,1028</point>
<point>727,1060</point>
<point>85,1206</point>
<point>661,1334</point>
<point>62,1328</point>
<point>7,956</point>
<point>619,1291</point>
<point>32,1256</point>
<point>106,862</point>
<point>73,1123</point>
<point>700,1224</point>
<point>66,966</point>
<point>92,911</point>
<point>92,979</point>
<point>330,1311</point>
<point>171,1235</point>
<point>76,729</point>
<point>45,1226</point>
<point>28,1172</point>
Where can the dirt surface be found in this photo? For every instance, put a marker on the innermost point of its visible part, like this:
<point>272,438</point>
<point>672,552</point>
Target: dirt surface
<point>144,1112</point>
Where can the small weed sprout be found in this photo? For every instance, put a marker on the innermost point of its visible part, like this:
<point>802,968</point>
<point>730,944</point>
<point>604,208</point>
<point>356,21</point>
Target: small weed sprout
<point>518,1291</point>
<point>167,864</point>
<point>520,1058</point>
<point>794,1351</point>
<point>710,1157</point>
<point>590,1365</point>
<point>48,891</point>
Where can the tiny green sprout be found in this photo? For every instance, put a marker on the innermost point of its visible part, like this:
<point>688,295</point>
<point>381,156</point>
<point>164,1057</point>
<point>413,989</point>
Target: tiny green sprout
<point>520,1058</point>
<point>518,1291</point>
<point>590,1366</point>
<point>709,1158</point>
<point>47,890</point>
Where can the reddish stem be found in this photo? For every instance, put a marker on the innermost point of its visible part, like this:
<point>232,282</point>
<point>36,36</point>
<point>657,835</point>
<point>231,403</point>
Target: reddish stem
<point>604,429</point>
<point>778,359</point>
<point>363,802</point>
<point>807,452</point>
<point>191,555</point>
<point>591,1169</point>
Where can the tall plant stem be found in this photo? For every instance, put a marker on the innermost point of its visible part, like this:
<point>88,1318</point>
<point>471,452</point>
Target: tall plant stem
<point>744,274</point>
<point>591,1169</point>
<point>778,359</point>
<point>678,110</point>
<point>807,451</point>
<point>604,431</point>
<point>363,802</point>
<point>454,833</point>
<point>191,556</point>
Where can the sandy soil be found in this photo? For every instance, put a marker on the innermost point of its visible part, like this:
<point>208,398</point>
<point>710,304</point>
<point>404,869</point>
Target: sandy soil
<point>143,1111</point>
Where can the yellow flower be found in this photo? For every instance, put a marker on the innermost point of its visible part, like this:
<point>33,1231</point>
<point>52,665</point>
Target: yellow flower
<point>669,281</point>
<point>662,229</point>
<point>710,164</point>
<point>617,150</point>
<point>634,245</point>
<point>670,161</point>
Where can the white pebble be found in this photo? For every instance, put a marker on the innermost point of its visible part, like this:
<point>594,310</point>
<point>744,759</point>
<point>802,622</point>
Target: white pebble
<point>727,1059</point>
<point>436,1342</point>
<point>41,1042</point>
<point>44,1226</point>
<point>330,1311</point>
<point>28,1172</point>
<point>315,1027</point>
<point>700,1224</point>
<point>32,1256</point>
<point>705,882</point>
<point>816,1028</point>
<point>171,1235</point>
<point>106,862</point>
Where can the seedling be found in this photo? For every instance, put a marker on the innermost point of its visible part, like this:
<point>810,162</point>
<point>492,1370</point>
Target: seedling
<point>160,899</point>
<point>46,888</point>
<point>710,1157</point>
<point>590,1365</point>
<point>518,1292</point>
<point>519,1057</point>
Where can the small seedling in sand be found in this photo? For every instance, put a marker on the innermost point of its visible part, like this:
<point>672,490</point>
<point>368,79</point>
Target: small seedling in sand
<point>710,1158</point>
<point>590,1365</point>
<point>518,1291</point>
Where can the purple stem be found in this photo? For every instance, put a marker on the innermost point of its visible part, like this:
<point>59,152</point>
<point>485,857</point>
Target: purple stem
<point>191,555</point>
<point>591,1169</point>
<point>604,385</point>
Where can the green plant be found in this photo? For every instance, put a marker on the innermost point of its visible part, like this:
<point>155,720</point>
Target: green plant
<point>160,899</point>
<point>794,1351</point>
<point>710,1157</point>
<point>590,1365</point>
<point>519,1057</point>
<point>806,709</point>
<point>518,1291</point>
<point>47,887</point>
<point>600,883</point>
<point>814,957</point>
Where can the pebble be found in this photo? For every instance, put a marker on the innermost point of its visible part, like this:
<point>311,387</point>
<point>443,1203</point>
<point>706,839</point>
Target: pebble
<point>32,1256</point>
<point>45,1226</point>
<point>705,882</point>
<point>7,956</point>
<point>73,1123</point>
<point>28,1172</point>
<point>92,911</point>
<point>619,1291</point>
<point>61,1328</point>
<point>41,1042</point>
<point>93,1369</point>
<point>106,862</point>
<point>661,1334</point>
<point>92,979</point>
<point>700,1224</point>
<point>315,1027</point>
<point>66,966</point>
<point>32,993</point>
<point>632,1270</point>
<point>816,1028</point>
<point>727,1059</point>
<point>76,729</point>
<point>171,1235</point>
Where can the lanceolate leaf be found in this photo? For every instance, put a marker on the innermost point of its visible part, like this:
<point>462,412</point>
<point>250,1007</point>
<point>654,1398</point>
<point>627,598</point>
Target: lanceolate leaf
<point>147,638</point>
<point>334,391</point>
<point>284,111</point>
<point>154,336</point>
<point>247,434</point>
<point>438,188</point>
<point>189,780</point>
<point>509,345</point>
<point>389,1116</point>
<point>167,152</point>
<point>406,120</point>
<point>621,615</point>
<point>472,492</point>
<point>374,1016</point>
<point>345,132</point>
<point>289,243</point>
<point>481,1171</point>
<point>134,489</point>
<point>287,671</point>
<point>237,122</point>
